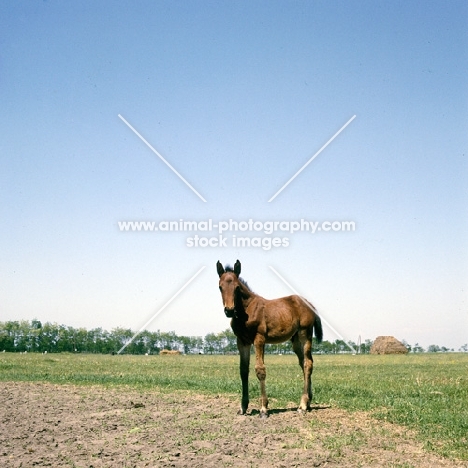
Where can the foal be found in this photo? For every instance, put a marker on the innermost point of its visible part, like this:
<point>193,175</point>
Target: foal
<point>257,321</point>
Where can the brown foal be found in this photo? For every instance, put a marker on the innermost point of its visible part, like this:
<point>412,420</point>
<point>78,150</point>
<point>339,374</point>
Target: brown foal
<point>256,320</point>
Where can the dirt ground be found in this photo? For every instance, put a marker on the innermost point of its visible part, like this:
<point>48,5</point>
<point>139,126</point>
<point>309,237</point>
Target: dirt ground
<point>68,426</point>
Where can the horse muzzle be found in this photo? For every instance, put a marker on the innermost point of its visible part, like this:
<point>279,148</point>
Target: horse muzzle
<point>230,313</point>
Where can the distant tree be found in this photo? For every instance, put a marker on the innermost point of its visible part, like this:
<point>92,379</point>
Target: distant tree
<point>137,346</point>
<point>49,337</point>
<point>325,347</point>
<point>66,339</point>
<point>120,337</point>
<point>146,338</point>
<point>25,339</point>
<point>367,346</point>
<point>282,348</point>
<point>82,342</point>
<point>212,344</point>
<point>169,340</point>
<point>190,344</point>
<point>228,341</point>
<point>353,345</point>
<point>417,348</point>
<point>286,347</point>
<point>8,335</point>
<point>35,336</point>
<point>406,345</point>
<point>340,346</point>
<point>153,340</point>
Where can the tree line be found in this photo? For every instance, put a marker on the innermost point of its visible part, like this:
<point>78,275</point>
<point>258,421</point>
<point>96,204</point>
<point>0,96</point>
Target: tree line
<point>37,337</point>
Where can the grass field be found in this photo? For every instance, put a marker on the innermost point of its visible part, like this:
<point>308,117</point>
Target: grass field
<point>428,392</point>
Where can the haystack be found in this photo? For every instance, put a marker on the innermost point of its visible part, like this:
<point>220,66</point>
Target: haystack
<point>388,345</point>
<point>169,351</point>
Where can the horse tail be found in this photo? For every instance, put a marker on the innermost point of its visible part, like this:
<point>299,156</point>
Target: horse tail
<point>318,329</point>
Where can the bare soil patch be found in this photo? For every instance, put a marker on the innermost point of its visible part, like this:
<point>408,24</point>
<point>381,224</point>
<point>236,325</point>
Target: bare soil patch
<point>72,426</point>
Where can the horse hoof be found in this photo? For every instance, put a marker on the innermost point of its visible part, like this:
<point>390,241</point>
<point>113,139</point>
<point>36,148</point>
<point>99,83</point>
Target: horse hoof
<point>301,411</point>
<point>263,415</point>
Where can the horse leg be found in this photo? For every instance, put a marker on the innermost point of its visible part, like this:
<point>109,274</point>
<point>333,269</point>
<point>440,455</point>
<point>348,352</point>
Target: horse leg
<point>244,352</point>
<point>302,346</point>
<point>260,370</point>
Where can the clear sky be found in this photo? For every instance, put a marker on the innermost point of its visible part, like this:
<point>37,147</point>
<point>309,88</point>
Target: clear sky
<point>237,97</point>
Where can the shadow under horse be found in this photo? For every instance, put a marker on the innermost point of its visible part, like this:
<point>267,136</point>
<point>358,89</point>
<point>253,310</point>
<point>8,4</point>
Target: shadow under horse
<point>257,321</point>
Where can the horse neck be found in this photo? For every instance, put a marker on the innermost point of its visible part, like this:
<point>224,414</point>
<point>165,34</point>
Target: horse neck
<point>246,296</point>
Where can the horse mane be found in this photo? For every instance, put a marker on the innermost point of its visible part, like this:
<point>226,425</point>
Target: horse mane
<point>229,269</point>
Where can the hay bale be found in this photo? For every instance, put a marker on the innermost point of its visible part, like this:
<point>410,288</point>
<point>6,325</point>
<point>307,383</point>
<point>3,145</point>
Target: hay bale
<point>169,351</point>
<point>388,345</point>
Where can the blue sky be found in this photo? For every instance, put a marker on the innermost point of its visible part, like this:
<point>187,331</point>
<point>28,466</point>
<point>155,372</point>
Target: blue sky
<point>237,96</point>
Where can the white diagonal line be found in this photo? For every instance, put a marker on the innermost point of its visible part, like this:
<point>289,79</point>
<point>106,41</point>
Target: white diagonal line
<point>162,308</point>
<point>161,157</point>
<point>308,305</point>
<point>312,158</point>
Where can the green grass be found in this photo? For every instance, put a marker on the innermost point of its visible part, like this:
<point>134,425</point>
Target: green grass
<point>428,393</point>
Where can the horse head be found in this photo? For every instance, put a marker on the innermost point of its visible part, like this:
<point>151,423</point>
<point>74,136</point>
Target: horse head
<point>229,285</point>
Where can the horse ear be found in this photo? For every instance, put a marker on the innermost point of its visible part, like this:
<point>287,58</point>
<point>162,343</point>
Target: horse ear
<point>237,268</point>
<point>220,268</point>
